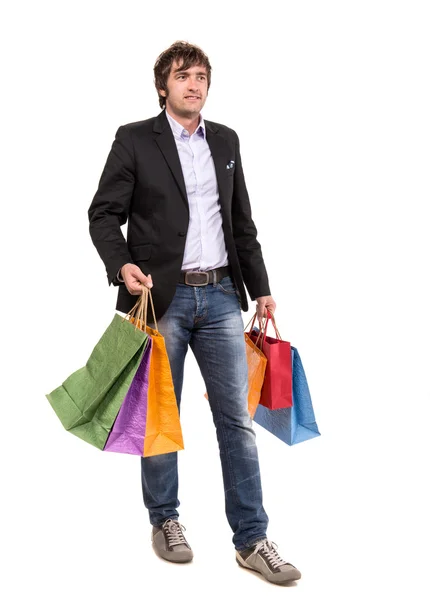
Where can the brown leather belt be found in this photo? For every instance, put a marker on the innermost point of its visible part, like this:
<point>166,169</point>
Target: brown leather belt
<point>199,278</point>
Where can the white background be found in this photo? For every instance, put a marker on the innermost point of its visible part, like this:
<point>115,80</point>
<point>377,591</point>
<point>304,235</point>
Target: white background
<point>331,104</point>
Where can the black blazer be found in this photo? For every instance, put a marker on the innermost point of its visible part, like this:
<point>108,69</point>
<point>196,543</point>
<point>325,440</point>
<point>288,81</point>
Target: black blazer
<point>142,181</point>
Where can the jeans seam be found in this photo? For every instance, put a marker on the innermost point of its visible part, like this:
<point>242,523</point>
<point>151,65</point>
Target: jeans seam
<point>225,445</point>
<point>205,311</point>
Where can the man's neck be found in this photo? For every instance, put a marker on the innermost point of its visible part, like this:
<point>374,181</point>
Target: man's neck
<point>189,124</point>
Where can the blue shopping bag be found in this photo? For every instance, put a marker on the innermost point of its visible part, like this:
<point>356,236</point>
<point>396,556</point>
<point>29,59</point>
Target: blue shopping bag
<point>295,424</point>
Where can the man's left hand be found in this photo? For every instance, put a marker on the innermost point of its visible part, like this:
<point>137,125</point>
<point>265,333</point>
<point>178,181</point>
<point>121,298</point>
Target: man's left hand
<point>264,303</point>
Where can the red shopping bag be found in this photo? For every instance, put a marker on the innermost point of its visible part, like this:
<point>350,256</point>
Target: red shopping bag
<point>277,390</point>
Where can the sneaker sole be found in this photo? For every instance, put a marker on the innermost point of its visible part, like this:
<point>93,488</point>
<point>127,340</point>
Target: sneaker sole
<point>172,556</point>
<point>294,576</point>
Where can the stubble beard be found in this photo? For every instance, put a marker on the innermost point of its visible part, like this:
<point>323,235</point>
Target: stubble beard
<point>189,113</point>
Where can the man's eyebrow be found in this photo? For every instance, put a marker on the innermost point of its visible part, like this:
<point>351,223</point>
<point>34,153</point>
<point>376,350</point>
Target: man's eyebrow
<point>186,71</point>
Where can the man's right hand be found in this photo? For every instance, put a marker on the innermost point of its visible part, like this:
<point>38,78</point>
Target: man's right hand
<point>134,278</point>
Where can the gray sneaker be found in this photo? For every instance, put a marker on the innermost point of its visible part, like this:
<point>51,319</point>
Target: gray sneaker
<point>169,542</point>
<point>264,558</point>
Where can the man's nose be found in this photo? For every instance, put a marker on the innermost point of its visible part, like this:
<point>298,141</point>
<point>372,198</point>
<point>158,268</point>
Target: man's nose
<point>193,84</point>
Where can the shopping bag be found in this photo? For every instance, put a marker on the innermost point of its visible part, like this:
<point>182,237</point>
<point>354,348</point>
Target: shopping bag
<point>163,431</point>
<point>89,400</point>
<point>256,362</point>
<point>277,391</point>
<point>297,423</point>
<point>128,432</point>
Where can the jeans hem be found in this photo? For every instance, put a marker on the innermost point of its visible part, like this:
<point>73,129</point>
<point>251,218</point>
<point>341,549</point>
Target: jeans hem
<point>251,543</point>
<point>173,517</point>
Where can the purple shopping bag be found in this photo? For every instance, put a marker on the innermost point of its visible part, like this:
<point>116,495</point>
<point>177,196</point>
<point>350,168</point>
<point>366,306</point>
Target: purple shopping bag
<point>128,432</point>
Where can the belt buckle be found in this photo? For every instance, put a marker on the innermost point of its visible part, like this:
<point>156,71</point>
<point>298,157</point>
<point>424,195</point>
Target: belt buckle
<point>189,274</point>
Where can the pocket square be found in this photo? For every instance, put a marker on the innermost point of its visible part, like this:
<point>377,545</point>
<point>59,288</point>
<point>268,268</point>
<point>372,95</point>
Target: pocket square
<point>230,164</point>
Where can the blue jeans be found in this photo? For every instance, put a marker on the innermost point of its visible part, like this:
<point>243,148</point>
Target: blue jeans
<point>209,319</point>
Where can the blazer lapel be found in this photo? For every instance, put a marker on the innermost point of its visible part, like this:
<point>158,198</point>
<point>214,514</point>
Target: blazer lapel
<point>167,145</point>
<point>220,154</point>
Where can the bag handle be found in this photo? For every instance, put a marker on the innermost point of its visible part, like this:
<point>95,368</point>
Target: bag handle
<point>275,327</point>
<point>139,311</point>
<point>142,310</point>
<point>263,331</point>
<point>251,319</point>
<point>264,321</point>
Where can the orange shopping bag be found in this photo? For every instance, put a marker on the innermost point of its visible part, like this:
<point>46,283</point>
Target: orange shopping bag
<point>163,428</point>
<point>257,363</point>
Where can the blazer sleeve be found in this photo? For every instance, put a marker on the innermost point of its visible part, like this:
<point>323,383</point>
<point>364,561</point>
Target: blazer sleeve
<point>110,206</point>
<point>245,235</point>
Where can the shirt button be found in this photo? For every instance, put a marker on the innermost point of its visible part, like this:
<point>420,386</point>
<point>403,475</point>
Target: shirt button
<point>181,233</point>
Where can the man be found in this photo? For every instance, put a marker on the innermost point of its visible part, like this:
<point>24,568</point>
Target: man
<point>178,180</point>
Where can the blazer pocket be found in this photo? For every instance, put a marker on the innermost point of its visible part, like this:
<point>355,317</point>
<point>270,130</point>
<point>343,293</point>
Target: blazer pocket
<point>141,252</point>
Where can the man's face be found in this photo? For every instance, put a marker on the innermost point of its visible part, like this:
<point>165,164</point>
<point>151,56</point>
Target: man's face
<point>186,90</point>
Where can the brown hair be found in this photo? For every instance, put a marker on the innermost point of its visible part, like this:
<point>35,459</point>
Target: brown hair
<point>187,55</point>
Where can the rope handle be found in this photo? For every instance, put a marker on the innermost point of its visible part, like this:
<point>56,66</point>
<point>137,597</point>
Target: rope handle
<point>139,311</point>
<point>261,338</point>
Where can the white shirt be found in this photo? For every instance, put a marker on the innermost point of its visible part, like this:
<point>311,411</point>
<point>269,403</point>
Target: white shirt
<point>205,245</point>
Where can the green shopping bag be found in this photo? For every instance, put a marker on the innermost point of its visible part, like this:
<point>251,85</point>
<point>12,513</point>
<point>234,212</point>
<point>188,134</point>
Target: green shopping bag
<point>88,401</point>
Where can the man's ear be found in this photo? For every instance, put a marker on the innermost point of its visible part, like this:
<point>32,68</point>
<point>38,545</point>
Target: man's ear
<point>162,92</point>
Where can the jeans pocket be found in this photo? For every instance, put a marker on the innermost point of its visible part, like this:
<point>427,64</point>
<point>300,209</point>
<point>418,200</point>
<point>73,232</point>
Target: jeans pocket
<point>227,286</point>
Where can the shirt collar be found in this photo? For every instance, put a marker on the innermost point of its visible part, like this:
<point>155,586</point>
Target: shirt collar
<point>180,132</point>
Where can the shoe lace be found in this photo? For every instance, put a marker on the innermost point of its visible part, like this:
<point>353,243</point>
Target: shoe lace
<point>174,533</point>
<point>269,550</point>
